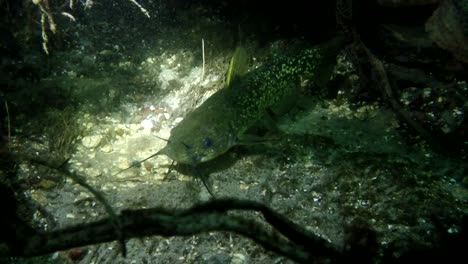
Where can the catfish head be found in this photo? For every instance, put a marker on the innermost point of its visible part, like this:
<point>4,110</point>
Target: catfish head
<point>201,136</point>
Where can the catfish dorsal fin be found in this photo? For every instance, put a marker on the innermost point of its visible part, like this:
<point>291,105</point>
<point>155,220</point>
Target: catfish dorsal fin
<point>237,66</point>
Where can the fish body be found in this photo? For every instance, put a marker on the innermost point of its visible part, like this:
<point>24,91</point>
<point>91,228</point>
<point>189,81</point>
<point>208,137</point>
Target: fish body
<point>219,123</point>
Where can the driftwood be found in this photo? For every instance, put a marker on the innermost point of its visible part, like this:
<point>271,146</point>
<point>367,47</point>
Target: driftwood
<point>286,238</point>
<point>250,219</point>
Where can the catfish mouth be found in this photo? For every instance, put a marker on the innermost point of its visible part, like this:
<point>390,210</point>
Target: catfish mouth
<point>180,152</point>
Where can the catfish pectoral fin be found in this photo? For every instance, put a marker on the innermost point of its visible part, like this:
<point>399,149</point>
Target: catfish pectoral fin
<point>249,139</point>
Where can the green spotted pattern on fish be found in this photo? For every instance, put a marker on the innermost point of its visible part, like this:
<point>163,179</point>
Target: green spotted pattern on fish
<point>220,122</point>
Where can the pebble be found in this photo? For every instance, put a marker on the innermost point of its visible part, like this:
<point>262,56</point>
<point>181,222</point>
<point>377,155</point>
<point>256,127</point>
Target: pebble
<point>107,149</point>
<point>91,141</point>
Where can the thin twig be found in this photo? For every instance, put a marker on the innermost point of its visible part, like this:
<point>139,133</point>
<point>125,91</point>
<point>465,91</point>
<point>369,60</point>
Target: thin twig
<point>8,124</point>
<point>143,10</point>
<point>203,54</point>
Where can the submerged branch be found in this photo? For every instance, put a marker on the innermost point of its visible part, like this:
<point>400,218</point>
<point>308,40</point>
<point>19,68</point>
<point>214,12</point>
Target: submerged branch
<point>294,242</point>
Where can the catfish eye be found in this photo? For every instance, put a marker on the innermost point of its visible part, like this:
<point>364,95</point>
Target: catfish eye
<point>207,142</point>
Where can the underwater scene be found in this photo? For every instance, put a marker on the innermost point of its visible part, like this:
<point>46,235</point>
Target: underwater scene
<point>178,131</point>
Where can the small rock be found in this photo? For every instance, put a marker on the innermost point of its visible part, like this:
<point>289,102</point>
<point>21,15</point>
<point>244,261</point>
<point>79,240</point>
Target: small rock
<point>238,258</point>
<point>178,120</point>
<point>47,184</point>
<point>71,216</point>
<point>123,165</point>
<point>107,149</point>
<point>91,141</point>
<point>92,172</point>
<point>147,124</point>
<point>148,166</point>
